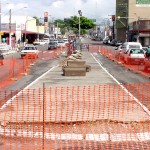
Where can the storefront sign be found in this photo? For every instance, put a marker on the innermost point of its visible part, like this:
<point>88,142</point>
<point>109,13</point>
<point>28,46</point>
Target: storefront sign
<point>5,26</point>
<point>143,3</point>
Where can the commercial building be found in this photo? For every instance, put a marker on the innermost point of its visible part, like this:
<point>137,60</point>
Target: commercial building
<point>133,21</point>
<point>20,27</point>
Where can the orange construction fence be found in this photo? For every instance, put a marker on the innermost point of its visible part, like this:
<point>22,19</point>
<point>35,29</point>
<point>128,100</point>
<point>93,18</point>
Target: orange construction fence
<point>101,117</point>
<point>142,67</point>
<point>14,68</point>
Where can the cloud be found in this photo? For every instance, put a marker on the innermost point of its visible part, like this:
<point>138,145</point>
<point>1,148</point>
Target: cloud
<point>59,9</point>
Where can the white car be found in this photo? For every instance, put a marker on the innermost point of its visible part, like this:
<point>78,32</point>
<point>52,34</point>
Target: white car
<point>65,40</point>
<point>30,51</point>
<point>4,47</point>
<point>134,55</point>
<point>61,43</point>
<point>41,42</point>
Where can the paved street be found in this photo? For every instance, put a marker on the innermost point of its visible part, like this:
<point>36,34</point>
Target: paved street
<point>53,79</point>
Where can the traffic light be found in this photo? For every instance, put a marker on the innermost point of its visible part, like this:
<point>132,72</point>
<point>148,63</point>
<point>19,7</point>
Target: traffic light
<point>45,19</point>
<point>113,17</point>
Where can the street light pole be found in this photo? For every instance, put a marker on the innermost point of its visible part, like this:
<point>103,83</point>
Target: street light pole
<point>10,28</point>
<point>0,16</point>
<point>80,14</point>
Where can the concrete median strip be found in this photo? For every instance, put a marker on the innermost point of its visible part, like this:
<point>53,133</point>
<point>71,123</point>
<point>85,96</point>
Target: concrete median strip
<point>136,137</point>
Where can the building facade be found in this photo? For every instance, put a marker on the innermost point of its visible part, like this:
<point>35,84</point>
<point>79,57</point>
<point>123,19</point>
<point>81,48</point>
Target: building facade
<point>133,21</point>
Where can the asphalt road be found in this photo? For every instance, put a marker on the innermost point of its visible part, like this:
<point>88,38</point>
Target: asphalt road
<point>122,74</point>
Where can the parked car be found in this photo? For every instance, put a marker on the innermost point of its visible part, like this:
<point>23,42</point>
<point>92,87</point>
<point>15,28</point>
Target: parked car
<point>61,43</point>
<point>113,42</point>
<point>106,40</point>
<point>29,50</point>
<point>134,56</point>
<point>65,40</point>
<point>129,45</point>
<point>118,42</point>
<point>54,40</point>
<point>40,42</point>
<point>52,45</point>
<point>4,47</point>
<point>46,40</point>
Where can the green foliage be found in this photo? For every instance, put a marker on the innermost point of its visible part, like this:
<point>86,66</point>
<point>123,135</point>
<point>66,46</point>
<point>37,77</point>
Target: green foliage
<point>37,21</point>
<point>72,23</point>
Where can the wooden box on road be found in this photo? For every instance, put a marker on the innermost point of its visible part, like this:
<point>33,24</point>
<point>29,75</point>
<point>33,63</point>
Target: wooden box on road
<point>74,71</point>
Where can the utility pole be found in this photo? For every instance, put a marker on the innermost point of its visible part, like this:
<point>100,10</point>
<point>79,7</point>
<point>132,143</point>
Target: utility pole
<point>10,28</point>
<point>0,15</point>
<point>80,14</point>
<point>138,37</point>
<point>57,31</point>
<point>0,20</point>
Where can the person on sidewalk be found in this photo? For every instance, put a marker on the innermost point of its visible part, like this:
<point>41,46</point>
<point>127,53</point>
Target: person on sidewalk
<point>1,59</point>
<point>148,52</point>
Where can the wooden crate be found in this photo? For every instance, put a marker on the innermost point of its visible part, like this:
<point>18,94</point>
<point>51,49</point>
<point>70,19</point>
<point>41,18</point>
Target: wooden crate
<point>76,63</point>
<point>74,71</point>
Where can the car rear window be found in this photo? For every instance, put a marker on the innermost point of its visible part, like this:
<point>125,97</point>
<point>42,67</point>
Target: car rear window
<point>29,48</point>
<point>134,46</point>
<point>137,51</point>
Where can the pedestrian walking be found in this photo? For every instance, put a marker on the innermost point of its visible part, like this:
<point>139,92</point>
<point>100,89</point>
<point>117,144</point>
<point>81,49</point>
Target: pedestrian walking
<point>1,59</point>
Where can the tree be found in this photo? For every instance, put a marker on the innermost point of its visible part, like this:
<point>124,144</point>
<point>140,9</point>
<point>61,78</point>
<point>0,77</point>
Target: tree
<point>71,23</point>
<point>85,23</point>
<point>37,20</point>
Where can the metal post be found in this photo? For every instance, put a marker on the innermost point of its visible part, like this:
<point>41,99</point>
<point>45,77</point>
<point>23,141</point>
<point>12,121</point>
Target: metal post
<point>10,27</point>
<point>43,141</point>
<point>0,20</point>
<point>0,15</point>
<point>79,25</point>
<point>138,39</point>
<point>57,31</point>
<point>113,30</point>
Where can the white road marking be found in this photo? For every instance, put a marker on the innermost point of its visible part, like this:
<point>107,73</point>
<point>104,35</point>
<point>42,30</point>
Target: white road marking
<point>134,98</point>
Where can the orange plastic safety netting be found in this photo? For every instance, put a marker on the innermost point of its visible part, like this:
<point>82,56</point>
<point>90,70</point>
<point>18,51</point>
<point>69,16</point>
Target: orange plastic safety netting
<point>135,65</point>
<point>78,117</point>
<point>14,68</point>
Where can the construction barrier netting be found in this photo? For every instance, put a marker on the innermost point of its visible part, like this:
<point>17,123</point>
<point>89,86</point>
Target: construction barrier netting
<point>78,117</point>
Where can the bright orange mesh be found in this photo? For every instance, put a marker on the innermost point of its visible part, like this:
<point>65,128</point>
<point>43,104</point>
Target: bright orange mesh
<point>14,68</point>
<point>142,68</point>
<point>78,117</point>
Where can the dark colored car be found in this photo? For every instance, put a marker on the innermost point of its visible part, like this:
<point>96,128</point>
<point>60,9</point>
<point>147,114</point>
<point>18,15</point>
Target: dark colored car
<point>106,40</point>
<point>113,42</point>
<point>52,45</point>
<point>118,43</point>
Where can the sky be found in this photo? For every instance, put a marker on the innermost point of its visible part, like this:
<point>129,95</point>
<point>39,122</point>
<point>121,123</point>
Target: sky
<point>60,9</point>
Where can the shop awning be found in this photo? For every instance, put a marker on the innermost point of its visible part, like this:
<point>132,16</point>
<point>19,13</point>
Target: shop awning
<point>28,32</point>
<point>7,31</point>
